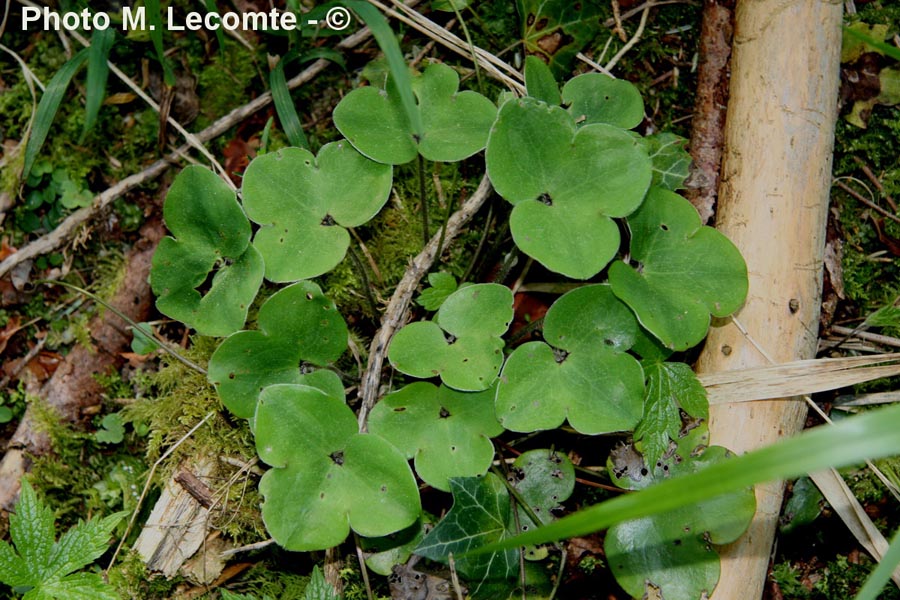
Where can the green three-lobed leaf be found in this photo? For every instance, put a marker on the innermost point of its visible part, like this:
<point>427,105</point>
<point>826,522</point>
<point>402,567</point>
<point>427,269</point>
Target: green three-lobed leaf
<point>566,183</point>
<point>303,203</point>
<point>326,478</point>
<point>447,432</point>
<point>470,355</point>
<point>211,234</point>
<point>296,324</point>
<point>687,271</point>
<point>581,373</point>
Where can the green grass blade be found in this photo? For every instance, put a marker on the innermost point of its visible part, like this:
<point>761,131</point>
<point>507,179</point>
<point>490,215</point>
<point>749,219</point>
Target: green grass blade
<point>220,33</point>
<point>97,73</point>
<point>281,95</point>
<point>399,69</point>
<point>889,50</point>
<point>868,436</point>
<point>154,12</point>
<point>49,104</point>
<point>882,573</point>
<point>284,105</point>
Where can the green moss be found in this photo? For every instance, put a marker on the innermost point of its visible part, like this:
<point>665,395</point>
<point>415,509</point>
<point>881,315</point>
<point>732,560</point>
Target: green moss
<point>130,578</point>
<point>843,579</point>
<point>222,83</point>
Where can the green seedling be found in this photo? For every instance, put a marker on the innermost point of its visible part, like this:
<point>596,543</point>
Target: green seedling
<point>455,124</point>
<point>462,345</point>
<point>212,237</point>
<point>448,433</point>
<point>686,272</point>
<point>326,478</point>
<point>304,203</point>
<point>297,324</point>
<point>441,286</point>
<point>582,373</point>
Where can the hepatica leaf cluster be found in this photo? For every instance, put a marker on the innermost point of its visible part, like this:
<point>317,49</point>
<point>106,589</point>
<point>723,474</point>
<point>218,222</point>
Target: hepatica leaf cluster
<point>590,200</point>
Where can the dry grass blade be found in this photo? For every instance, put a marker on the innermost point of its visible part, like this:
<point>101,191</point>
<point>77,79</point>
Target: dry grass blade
<point>491,64</point>
<point>797,378</point>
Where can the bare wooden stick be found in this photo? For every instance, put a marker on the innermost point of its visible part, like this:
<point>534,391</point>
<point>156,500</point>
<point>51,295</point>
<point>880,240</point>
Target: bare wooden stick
<point>397,308</point>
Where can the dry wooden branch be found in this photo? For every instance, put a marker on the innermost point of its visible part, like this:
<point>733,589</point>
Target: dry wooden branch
<point>398,307</point>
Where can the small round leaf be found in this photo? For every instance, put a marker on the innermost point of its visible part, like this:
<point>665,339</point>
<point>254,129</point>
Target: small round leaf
<point>598,98</point>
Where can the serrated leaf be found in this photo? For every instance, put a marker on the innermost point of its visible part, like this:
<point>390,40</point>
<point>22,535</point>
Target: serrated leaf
<point>671,162</point>
<point>686,272</point>
<point>303,204</point>
<point>296,324</point>
<point>79,586</point>
<point>599,98</point>
<point>469,358</point>
<point>549,170</point>
<point>40,563</point>
<point>448,433</point>
<point>318,588</point>
<point>673,550</point>
<point>671,388</point>
<point>326,477</point>
<point>210,231</point>
<point>455,124</point>
<point>557,29</point>
<point>581,373</point>
<point>442,285</point>
<point>479,516</point>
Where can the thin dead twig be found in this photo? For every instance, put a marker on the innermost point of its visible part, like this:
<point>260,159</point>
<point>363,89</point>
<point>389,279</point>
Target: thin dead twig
<point>866,201</point>
<point>634,39</point>
<point>398,306</point>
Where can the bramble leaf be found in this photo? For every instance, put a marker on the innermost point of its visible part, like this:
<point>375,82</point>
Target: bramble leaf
<point>474,318</point>
<point>479,515</point>
<point>298,323</point>
<point>581,373</point>
<point>326,477</point>
<point>672,388</point>
<point>687,271</point>
<point>566,184</point>
<point>303,204</point>
<point>455,124</point>
<point>211,236</point>
<point>673,550</point>
<point>447,432</point>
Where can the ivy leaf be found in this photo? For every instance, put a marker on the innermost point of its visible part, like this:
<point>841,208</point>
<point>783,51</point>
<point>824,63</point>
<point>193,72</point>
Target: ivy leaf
<point>303,204</point>
<point>45,566</point>
<point>671,162</point>
<point>582,373</point>
<point>455,124</point>
<point>673,551</point>
<point>299,323</point>
<point>671,389</point>
<point>687,271</point>
<point>557,30</point>
<point>212,236</point>
<point>545,166</point>
<point>326,477</point>
<point>447,432</point>
<point>469,359</point>
<point>442,285</point>
<point>479,516</point>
